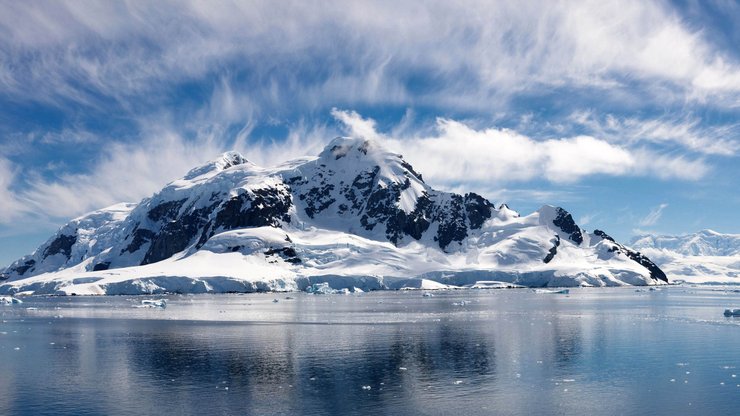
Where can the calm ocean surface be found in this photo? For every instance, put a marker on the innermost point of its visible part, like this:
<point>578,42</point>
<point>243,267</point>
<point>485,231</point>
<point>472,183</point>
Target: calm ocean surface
<point>467,352</point>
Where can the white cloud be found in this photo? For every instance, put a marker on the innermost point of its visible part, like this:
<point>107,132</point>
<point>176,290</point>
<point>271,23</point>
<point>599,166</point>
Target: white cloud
<point>651,218</point>
<point>124,172</point>
<point>128,172</point>
<point>458,153</point>
<point>10,207</point>
<point>476,53</point>
<point>453,156</point>
<point>687,132</point>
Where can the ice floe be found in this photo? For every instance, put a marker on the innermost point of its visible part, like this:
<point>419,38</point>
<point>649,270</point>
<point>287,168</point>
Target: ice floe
<point>154,303</point>
<point>9,300</point>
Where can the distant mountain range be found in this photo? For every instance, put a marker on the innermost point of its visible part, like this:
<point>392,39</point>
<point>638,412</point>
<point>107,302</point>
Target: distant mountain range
<point>703,257</point>
<point>356,217</point>
<point>702,243</point>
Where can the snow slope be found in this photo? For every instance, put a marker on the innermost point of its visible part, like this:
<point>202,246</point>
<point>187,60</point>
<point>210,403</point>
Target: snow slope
<point>356,217</point>
<point>703,257</point>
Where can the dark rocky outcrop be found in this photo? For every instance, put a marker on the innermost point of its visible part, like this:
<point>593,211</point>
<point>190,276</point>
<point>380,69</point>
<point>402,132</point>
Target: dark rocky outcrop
<point>257,208</point>
<point>25,267</point>
<point>655,272</point>
<point>165,211</point>
<point>478,209</point>
<point>175,236</point>
<point>565,222</point>
<point>553,250</point>
<point>286,253</point>
<point>452,222</point>
<point>62,244</point>
<point>140,237</point>
<point>101,266</point>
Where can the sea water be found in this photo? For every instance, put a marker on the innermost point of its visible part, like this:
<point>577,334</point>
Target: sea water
<point>500,352</point>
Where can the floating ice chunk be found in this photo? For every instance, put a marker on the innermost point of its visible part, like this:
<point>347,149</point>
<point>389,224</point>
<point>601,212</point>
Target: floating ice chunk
<point>154,303</point>
<point>321,289</point>
<point>9,300</point>
<point>275,301</point>
<point>457,382</point>
<point>732,312</point>
<point>427,295</point>
<point>366,387</point>
<point>493,284</point>
<point>461,303</point>
<point>552,292</point>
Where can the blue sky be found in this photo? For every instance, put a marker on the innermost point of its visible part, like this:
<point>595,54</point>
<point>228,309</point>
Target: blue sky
<point>625,113</point>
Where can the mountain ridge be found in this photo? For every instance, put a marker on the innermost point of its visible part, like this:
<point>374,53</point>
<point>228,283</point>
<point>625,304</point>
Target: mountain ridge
<point>354,190</point>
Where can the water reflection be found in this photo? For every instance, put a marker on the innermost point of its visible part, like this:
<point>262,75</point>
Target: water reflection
<point>507,352</point>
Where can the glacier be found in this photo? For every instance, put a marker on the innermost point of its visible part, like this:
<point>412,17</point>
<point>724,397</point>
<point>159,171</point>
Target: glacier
<point>703,257</point>
<point>355,217</point>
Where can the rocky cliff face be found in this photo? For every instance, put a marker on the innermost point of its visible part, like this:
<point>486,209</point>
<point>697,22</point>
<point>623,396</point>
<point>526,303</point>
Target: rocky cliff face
<point>355,187</point>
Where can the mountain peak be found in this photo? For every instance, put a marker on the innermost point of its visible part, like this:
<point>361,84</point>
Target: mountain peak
<point>223,162</point>
<point>341,147</point>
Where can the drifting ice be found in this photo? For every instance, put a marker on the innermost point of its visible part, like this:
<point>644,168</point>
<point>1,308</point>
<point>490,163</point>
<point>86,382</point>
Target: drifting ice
<point>732,312</point>
<point>9,300</point>
<point>320,289</point>
<point>154,303</point>
<point>558,292</point>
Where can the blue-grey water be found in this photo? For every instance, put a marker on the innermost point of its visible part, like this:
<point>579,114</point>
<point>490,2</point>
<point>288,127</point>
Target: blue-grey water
<point>506,352</point>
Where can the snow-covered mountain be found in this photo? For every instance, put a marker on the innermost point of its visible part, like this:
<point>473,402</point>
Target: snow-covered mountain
<point>702,243</point>
<point>703,257</point>
<point>356,216</point>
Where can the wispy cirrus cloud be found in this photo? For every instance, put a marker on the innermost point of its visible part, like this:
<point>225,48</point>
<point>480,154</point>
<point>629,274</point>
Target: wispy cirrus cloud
<point>350,52</point>
<point>653,216</point>
<point>461,153</point>
<point>684,131</point>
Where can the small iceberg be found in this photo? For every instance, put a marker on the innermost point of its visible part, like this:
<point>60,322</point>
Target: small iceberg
<point>9,300</point>
<point>321,289</point>
<point>732,312</point>
<point>552,292</point>
<point>461,303</point>
<point>154,303</point>
<point>493,284</point>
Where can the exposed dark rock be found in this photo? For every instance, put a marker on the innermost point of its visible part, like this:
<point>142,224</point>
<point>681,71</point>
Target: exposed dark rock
<point>296,180</point>
<point>165,211</point>
<point>604,235</point>
<point>361,188</point>
<point>140,237</point>
<point>478,209</point>
<point>380,206</point>
<point>258,208</point>
<point>177,235</point>
<point>27,265</point>
<point>287,253</point>
<point>655,272</point>
<point>565,222</point>
<point>553,250</point>
<point>62,244</point>
<point>318,199</point>
<point>409,168</point>
<point>452,223</point>
<point>418,221</point>
<point>101,266</point>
